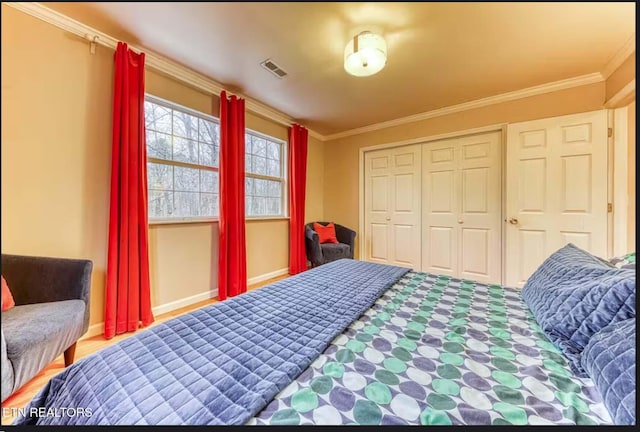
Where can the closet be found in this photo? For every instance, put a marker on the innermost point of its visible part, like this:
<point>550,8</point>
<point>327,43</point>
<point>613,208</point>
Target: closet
<point>435,206</point>
<point>487,207</point>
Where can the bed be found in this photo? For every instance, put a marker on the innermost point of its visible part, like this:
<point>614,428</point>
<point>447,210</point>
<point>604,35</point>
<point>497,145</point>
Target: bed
<point>346,343</point>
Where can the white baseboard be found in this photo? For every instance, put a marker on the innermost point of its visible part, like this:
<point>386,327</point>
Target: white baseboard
<point>267,276</point>
<point>98,329</point>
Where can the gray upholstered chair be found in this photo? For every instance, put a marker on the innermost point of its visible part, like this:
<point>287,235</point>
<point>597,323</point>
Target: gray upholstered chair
<point>319,254</point>
<point>50,315</point>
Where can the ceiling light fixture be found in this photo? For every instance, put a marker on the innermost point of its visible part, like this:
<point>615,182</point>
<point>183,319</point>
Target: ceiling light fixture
<point>365,54</point>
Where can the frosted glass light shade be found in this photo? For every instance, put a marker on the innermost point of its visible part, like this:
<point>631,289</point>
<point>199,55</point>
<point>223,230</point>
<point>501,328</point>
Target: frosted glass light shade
<point>365,54</point>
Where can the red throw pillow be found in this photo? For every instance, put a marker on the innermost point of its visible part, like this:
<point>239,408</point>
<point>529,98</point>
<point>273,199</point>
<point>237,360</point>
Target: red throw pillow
<point>327,234</point>
<point>7,298</point>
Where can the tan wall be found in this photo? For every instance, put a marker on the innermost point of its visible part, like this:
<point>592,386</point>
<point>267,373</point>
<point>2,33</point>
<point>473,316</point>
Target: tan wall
<point>631,225</point>
<point>56,149</point>
<point>342,155</point>
<point>56,140</point>
<point>621,76</point>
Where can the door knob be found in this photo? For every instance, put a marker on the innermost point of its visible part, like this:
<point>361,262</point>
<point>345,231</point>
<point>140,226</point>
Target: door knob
<point>460,221</point>
<point>513,221</point>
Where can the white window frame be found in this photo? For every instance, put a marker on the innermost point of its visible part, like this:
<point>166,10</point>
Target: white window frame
<point>177,107</point>
<point>283,179</point>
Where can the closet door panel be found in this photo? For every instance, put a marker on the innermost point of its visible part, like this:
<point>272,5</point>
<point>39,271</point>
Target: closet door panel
<point>479,219</point>
<point>405,248</point>
<point>440,207</point>
<point>377,206</point>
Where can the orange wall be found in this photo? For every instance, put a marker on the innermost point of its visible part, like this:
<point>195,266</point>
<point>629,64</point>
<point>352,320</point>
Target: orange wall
<point>342,155</point>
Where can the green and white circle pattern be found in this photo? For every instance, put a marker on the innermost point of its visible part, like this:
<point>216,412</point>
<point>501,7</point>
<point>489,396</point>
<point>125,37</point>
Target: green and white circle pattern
<point>434,350</point>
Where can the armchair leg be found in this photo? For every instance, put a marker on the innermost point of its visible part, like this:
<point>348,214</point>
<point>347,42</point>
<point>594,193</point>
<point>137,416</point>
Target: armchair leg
<point>69,354</point>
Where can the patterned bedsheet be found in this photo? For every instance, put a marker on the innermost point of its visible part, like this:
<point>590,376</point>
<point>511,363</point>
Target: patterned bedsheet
<point>437,351</point>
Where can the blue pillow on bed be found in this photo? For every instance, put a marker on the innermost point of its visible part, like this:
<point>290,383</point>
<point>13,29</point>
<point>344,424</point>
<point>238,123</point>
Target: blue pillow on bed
<point>610,360</point>
<point>574,294</point>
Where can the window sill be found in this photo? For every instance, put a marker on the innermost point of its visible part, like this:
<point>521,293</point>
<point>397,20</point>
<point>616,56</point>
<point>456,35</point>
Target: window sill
<point>211,221</point>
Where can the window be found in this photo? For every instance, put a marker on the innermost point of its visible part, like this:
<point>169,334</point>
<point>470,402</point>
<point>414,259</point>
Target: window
<point>182,166</point>
<point>264,176</point>
<point>182,162</point>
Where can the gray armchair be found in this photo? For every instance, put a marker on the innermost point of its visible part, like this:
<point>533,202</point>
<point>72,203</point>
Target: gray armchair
<point>50,315</point>
<point>319,254</point>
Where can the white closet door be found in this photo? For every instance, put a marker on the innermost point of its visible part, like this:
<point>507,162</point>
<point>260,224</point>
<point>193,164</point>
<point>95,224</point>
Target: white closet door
<point>440,207</point>
<point>461,195</point>
<point>480,238</point>
<point>556,190</point>
<point>392,206</point>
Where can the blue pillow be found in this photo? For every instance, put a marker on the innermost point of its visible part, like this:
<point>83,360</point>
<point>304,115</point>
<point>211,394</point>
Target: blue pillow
<point>610,360</point>
<point>574,294</point>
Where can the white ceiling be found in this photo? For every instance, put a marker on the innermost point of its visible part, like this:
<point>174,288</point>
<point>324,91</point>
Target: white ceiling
<point>440,54</point>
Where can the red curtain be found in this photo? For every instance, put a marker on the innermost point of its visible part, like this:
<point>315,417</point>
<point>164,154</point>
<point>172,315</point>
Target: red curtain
<point>298,136</point>
<point>232,265</point>
<point>128,299</point>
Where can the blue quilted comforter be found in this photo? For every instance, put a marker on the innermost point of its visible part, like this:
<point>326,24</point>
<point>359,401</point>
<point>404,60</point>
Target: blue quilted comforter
<point>573,295</point>
<point>610,360</point>
<point>218,365</point>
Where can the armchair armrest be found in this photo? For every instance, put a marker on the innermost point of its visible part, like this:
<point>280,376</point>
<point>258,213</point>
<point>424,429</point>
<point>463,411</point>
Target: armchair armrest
<point>312,244</point>
<point>346,236</point>
<point>43,279</point>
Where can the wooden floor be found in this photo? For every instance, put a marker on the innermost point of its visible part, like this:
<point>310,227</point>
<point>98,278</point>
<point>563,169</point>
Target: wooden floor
<point>86,347</point>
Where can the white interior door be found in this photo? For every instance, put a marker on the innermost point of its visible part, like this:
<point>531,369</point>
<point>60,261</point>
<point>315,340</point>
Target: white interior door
<point>556,190</point>
<point>461,193</point>
<point>392,206</point>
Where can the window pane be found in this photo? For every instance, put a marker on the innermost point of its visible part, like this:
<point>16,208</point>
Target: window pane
<point>273,150</point>
<point>159,176</point>
<point>259,165</point>
<point>209,181</point>
<point>273,168</point>
<point>248,205</point>
<point>157,117</point>
<point>259,147</point>
<point>160,204</point>
<point>208,204</point>
<point>187,179</point>
<point>261,187</point>
<point>208,154</point>
<point>185,125</point>
<point>274,189</point>
<point>248,183</point>
<point>259,206</point>
<point>187,204</point>
<point>158,145</point>
<point>185,150</point>
<point>273,206</point>
<point>247,144</point>
<point>207,131</point>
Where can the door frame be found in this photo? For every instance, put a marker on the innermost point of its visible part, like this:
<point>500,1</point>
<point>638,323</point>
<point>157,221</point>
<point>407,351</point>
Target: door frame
<point>500,127</point>
<point>617,220</point>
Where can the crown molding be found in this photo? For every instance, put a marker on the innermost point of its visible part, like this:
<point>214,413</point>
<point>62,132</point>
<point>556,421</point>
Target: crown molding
<point>619,57</point>
<point>153,60</point>
<point>478,103</point>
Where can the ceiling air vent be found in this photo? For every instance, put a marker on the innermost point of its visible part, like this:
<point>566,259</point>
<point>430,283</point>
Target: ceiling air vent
<point>273,68</point>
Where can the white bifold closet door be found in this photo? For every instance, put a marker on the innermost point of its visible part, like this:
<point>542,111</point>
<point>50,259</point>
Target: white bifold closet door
<point>392,206</point>
<point>556,190</point>
<point>461,207</point>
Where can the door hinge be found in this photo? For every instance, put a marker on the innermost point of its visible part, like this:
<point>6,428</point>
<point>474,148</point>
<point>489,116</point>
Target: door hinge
<point>609,208</point>
<point>609,132</point>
